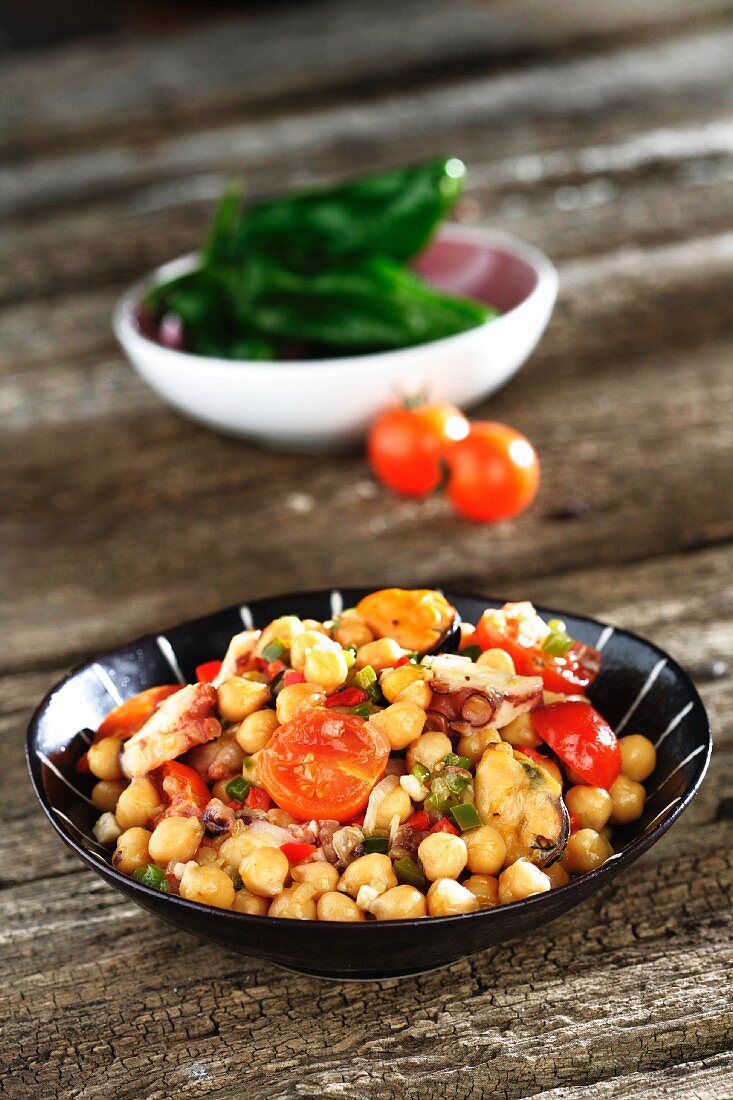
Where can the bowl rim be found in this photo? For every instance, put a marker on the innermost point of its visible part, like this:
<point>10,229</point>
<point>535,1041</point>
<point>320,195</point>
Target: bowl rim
<point>131,339</point>
<point>607,871</point>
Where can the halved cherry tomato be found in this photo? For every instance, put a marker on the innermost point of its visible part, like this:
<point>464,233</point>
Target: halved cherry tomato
<point>567,675</point>
<point>208,671</point>
<point>348,697</point>
<point>323,764</point>
<point>257,799</point>
<point>582,739</point>
<point>493,473</point>
<point>185,789</point>
<point>443,825</point>
<point>298,851</point>
<point>419,820</point>
<point>132,715</point>
<point>406,446</point>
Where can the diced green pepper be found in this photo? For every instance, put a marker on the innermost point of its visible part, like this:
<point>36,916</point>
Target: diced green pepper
<point>409,873</point>
<point>420,772</point>
<point>376,844</point>
<point>473,652</point>
<point>363,710</point>
<point>466,816</point>
<point>457,783</point>
<point>237,788</point>
<point>350,656</point>
<point>275,651</point>
<point>452,760</point>
<point>151,876</point>
<point>365,677</point>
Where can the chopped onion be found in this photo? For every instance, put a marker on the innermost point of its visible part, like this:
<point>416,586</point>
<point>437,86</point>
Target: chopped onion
<point>345,840</point>
<point>394,826</point>
<point>274,833</point>
<point>376,798</point>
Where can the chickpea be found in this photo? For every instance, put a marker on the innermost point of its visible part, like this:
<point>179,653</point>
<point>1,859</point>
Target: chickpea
<point>400,903</point>
<point>106,794</point>
<point>446,898</point>
<point>313,624</point>
<point>521,880</point>
<point>373,870</point>
<point>244,902</point>
<point>309,639</point>
<point>400,723</point>
<point>131,850</point>
<point>497,659</point>
<point>104,758</point>
<point>206,854</point>
<point>395,680</point>
<point>284,630</point>
<point>638,757</point>
<point>176,838</point>
<point>395,804</point>
<point>585,851</point>
<point>486,849</point>
<point>335,906</point>
<point>442,855</point>
<point>320,875</point>
<point>294,903</point>
<point>208,885</point>
<point>326,667</point>
<point>521,733</point>
<point>485,888</point>
<point>106,830</point>
<point>296,698</point>
<point>574,778</point>
<point>557,875</point>
<point>590,806</point>
<point>239,697</point>
<point>381,654</point>
<point>429,749</point>
<point>234,849</point>
<point>264,871</point>
<point>473,745</point>
<point>628,800</point>
<point>420,693</point>
<point>351,630</point>
<point>138,803</point>
<point>256,730</point>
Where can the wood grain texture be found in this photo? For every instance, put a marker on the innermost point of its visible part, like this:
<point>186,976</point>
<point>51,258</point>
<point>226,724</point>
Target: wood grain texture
<point>603,132</point>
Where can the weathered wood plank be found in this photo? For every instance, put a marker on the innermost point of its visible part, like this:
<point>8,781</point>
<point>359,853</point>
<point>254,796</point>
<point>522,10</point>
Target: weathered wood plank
<point>233,66</point>
<point>704,1079</point>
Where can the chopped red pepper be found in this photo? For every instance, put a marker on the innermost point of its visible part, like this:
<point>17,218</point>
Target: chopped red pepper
<point>233,804</point>
<point>292,677</point>
<point>444,826</point>
<point>257,799</point>
<point>419,820</point>
<point>348,697</point>
<point>582,739</point>
<point>208,671</point>
<point>297,851</point>
<point>274,668</point>
<point>402,661</point>
<point>542,757</point>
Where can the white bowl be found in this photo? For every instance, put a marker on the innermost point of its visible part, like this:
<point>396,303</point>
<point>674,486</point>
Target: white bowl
<point>326,404</point>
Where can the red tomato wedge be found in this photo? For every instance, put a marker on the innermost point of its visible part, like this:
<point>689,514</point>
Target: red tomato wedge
<point>323,764</point>
<point>131,716</point>
<point>185,790</point>
<point>568,675</point>
<point>582,739</point>
<point>208,671</point>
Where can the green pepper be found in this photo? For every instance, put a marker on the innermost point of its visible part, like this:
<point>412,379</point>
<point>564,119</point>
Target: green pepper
<point>473,652</point>
<point>452,760</point>
<point>152,876</point>
<point>466,816</point>
<point>558,642</point>
<point>376,844</point>
<point>349,656</point>
<point>394,213</point>
<point>374,304</point>
<point>457,783</point>
<point>236,789</point>
<point>363,710</point>
<point>275,651</point>
<point>365,678</point>
<point>420,772</point>
<point>409,873</point>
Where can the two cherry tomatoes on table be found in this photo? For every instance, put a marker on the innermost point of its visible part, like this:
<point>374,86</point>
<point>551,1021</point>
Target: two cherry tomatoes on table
<point>492,471</point>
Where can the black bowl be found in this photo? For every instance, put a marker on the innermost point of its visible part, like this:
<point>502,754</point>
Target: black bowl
<point>639,689</point>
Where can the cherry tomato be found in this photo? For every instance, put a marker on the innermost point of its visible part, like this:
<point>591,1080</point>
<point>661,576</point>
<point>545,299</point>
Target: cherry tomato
<point>323,764</point>
<point>208,671</point>
<point>493,473</point>
<point>582,739</point>
<point>406,446</point>
<point>132,715</point>
<point>568,675</point>
<point>185,789</point>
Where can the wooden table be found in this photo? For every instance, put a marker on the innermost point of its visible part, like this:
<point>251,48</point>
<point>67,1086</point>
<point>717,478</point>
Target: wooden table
<point>601,131</point>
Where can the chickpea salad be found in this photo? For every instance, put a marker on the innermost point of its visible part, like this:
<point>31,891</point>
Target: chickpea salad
<point>390,763</point>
